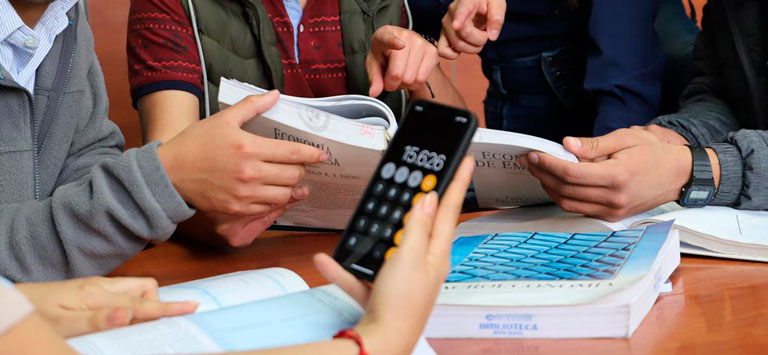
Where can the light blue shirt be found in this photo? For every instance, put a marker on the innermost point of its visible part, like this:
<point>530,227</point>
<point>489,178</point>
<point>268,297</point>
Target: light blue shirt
<point>23,49</point>
<point>294,10</point>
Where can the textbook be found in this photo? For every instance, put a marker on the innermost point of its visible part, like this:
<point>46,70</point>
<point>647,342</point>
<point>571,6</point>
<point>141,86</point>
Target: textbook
<point>354,131</point>
<point>246,310</point>
<point>509,283</point>
<point>722,232</point>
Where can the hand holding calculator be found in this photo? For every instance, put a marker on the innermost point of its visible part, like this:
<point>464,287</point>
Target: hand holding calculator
<point>422,157</point>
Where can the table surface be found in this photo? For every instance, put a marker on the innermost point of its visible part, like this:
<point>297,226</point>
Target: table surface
<point>716,306</point>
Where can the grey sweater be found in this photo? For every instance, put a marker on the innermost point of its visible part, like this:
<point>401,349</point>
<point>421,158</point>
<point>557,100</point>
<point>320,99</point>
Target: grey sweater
<point>71,202</point>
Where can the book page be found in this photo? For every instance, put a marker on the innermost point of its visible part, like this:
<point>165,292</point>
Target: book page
<point>544,218</point>
<point>296,318</point>
<point>353,148</point>
<point>335,186</point>
<point>235,288</point>
<point>722,229</point>
<point>500,179</point>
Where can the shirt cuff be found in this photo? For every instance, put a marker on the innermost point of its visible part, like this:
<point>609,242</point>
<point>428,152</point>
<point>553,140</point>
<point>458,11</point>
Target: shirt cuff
<point>14,308</point>
<point>160,184</point>
<point>145,90</point>
<point>731,173</point>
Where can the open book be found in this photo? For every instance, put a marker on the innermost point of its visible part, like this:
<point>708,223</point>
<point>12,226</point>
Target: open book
<point>247,310</point>
<point>354,131</point>
<point>506,284</point>
<point>711,231</point>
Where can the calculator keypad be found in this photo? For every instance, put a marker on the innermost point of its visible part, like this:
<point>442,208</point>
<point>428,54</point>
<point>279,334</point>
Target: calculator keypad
<point>379,222</point>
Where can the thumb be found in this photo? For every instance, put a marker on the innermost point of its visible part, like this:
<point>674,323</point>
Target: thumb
<point>419,227</point>
<point>496,12</point>
<point>248,108</point>
<point>388,40</point>
<point>593,148</point>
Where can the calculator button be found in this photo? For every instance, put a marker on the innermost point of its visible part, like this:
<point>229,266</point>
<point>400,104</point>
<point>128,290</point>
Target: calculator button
<point>415,179</point>
<point>387,232</point>
<point>399,237</point>
<point>374,229</point>
<point>383,211</point>
<point>388,170</point>
<point>429,183</point>
<point>361,224</point>
<point>418,197</point>
<point>397,214</point>
<point>405,197</point>
<point>392,193</point>
<point>352,241</point>
<point>402,174</point>
<point>378,251</point>
<point>389,253</point>
<point>370,205</point>
<point>378,188</point>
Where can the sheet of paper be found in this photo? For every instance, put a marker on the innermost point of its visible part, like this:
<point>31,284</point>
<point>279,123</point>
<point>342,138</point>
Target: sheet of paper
<point>297,318</point>
<point>235,288</point>
<point>423,348</point>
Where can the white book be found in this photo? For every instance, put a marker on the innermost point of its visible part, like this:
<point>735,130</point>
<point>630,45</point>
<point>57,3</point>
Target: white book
<point>355,130</point>
<point>548,301</point>
<point>247,310</point>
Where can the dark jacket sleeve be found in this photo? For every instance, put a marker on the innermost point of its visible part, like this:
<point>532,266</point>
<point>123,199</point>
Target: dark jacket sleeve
<point>705,119</point>
<point>625,63</point>
<point>107,205</point>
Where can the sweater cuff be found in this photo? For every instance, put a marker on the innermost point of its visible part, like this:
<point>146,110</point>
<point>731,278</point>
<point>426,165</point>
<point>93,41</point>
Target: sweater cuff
<point>160,185</point>
<point>731,173</point>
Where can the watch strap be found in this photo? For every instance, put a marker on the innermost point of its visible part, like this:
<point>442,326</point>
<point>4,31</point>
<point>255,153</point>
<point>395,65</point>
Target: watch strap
<point>702,168</point>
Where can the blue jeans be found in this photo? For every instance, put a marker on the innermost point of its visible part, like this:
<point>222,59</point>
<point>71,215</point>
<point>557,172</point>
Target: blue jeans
<point>541,95</point>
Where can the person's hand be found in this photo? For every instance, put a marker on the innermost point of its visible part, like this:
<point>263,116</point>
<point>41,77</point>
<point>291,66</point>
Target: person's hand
<point>398,305</point>
<point>87,305</point>
<point>663,133</point>
<point>219,168</point>
<point>469,24</point>
<point>399,59</point>
<point>620,174</point>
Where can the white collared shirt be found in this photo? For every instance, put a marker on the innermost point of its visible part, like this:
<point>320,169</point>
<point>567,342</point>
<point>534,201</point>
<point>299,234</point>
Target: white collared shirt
<point>22,49</point>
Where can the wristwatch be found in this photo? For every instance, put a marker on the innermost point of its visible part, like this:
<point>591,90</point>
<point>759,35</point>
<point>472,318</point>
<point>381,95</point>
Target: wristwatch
<point>700,189</point>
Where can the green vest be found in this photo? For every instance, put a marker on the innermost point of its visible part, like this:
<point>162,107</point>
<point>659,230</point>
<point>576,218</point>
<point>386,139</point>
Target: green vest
<point>238,42</point>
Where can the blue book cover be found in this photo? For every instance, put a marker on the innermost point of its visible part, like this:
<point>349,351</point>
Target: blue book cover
<point>551,269</point>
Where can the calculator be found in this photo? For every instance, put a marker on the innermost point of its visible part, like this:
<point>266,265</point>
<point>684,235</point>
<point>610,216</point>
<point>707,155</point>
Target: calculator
<point>423,156</point>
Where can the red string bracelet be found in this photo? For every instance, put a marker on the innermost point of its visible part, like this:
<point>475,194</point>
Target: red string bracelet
<point>353,335</point>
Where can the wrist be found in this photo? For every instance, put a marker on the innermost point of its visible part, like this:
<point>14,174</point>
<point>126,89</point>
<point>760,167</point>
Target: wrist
<point>714,161</point>
<point>683,163</point>
<point>168,160</point>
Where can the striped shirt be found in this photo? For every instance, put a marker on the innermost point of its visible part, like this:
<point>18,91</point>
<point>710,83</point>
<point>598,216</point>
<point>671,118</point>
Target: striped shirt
<point>22,49</point>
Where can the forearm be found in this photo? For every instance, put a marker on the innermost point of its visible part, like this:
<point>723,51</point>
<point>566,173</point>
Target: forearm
<point>704,122</point>
<point>33,336</point>
<point>443,89</point>
<point>91,225</point>
<point>164,114</point>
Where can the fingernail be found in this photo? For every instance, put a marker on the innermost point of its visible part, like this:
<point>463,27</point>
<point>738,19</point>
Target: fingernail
<point>574,142</point>
<point>429,203</point>
<point>533,157</point>
<point>300,192</point>
<point>493,35</point>
<point>323,157</point>
<point>401,42</point>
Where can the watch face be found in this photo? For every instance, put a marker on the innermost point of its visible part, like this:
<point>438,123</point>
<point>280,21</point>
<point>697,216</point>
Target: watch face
<point>698,196</point>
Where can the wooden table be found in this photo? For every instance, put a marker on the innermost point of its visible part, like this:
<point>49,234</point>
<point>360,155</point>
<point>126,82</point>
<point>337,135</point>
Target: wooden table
<point>716,306</point>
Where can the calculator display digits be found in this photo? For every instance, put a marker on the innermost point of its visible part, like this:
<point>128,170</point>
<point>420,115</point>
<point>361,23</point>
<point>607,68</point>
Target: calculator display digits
<point>422,157</point>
